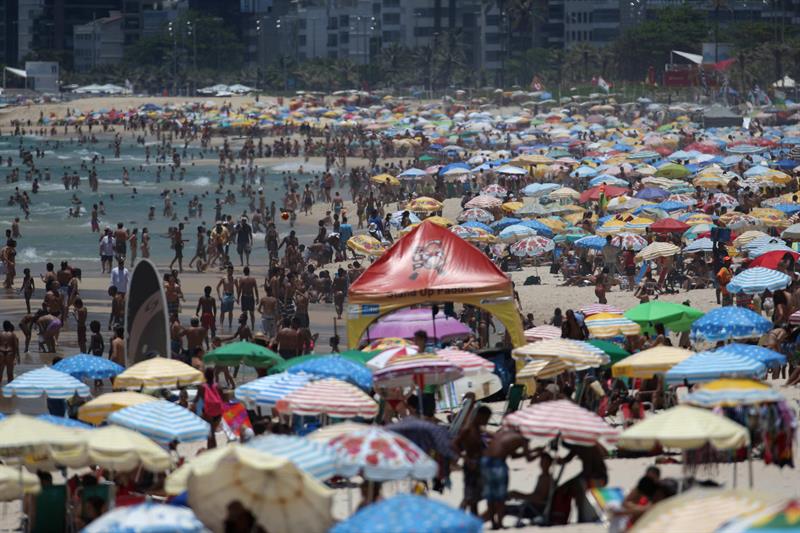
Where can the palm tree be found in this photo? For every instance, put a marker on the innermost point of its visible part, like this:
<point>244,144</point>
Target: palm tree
<point>449,57</point>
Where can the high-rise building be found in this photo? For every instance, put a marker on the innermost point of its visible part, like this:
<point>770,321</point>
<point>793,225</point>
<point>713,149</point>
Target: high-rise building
<point>9,25</point>
<point>100,42</point>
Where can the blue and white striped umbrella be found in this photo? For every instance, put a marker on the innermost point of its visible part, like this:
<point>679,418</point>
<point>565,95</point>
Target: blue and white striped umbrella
<point>516,232</point>
<point>409,513</point>
<point>162,421</point>
<point>769,357</point>
<point>336,366</point>
<point>592,241</point>
<point>726,323</point>
<point>63,421</point>
<point>45,382</point>
<point>147,518</point>
<point>699,245</point>
<point>763,240</point>
<point>315,458</point>
<point>708,366</point>
<point>757,280</point>
<point>269,390</point>
<point>541,228</point>
<point>84,366</point>
<point>761,250</point>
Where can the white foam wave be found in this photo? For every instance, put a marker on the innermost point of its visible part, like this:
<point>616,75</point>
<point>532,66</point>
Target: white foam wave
<point>202,181</point>
<point>30,254</point>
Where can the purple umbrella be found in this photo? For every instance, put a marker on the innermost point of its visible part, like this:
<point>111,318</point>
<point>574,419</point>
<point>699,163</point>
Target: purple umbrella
<point>652,193</point>
<point>405,323</point>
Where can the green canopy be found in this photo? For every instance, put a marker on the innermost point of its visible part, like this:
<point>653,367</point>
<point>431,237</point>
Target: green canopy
<point>249,353</point>
<point>428,157</point>
<point>676,317</point>
<point>356,356</point>
<point>614,351</point>
<point>672,170</point>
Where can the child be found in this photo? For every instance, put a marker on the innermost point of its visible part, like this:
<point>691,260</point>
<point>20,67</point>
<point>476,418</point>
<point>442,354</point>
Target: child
<point>96,345</point>
<point>27,288</point>
<point>117,307</point>
<point>80,317</point>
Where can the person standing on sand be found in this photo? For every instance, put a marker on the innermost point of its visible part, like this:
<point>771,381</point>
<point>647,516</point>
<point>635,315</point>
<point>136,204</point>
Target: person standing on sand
<point>268,307</point>
<point>244,241</point>
<point>195,335</point>
<point>228,296</point>
<point>9,351</point>
<point>133,240</point>
<point>469,443</point>
<point>120,241</point>
<point>117,354</point>
<point>81,313</point>
<point>177,246</point>
<point>207,311</point>
<point>247,295</point>
<point>27,288</point>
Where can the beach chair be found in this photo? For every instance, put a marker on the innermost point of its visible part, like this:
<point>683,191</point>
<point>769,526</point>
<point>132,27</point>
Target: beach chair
<point>50,512</point>
<point>462,416</point>
<point>514,398</point>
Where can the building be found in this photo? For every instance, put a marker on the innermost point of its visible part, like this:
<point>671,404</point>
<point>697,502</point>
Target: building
<point>9,24</point>
<point>100,42</point>
<point>42,76</point>
<point>28,11</point>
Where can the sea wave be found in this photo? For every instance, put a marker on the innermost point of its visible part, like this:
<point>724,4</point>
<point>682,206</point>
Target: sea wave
<point>202,181</point>
<point>30,254</point>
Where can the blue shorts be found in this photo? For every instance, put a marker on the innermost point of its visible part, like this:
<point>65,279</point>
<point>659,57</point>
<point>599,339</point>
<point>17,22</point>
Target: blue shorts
<point>494,473</point>
<point>227,303</point>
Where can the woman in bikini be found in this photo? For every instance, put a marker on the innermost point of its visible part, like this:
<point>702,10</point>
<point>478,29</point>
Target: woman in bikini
<point>9,351</point>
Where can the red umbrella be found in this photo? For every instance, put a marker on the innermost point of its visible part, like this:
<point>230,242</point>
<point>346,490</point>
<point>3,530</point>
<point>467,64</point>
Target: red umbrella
<point>668,225</point>
<point>771,259</point>
<point>561,418</point>
<point>594,193</point>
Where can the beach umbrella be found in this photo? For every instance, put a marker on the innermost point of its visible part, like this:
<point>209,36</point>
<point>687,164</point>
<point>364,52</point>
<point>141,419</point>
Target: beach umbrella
<point>726,323</point>
<point>162,421</point>
<point>668,225</point>
<point>411,173</point>
<point>532,247</point>
<point>281,497</point>
<point>335,366</point>
<point>511,170</point>
<point>269,389</point>
<point>593,309</point>
<point>474,224</point>
<point>495,189</point>
<point>539,189</point>
<point>613,350</point>
<point>673,171</point>
<point>724,200</point>
<point>792,232</point>
<point>779,518</point>
<point>757,280</point>
<point>483,201</point>
<point>476,214</point>
<point>593,194</point>
<point>380,360</point>
<point>629,241</point>
<point>538,333</point>
<point>249,353</point>
<point>594,242</point>
<point>158,372</point>
<point>607,325</point>
<point>657,249</point>
<point>647,363</point>
<point>697,219</point>
<point>704,510</point>
<point>366,244</point>
<point>540,227</point>
<point>470,363</point>
<point>16,483</point>
<point>380,345</point>
<point>542,369</point>
<point>327,433</point>
<point>651,193</point>
<point>428,436</point>
<point>417,370</point>
<point>611,227</point>
<point>515,233</point>
<point>729,392</point>
<point>62,421</point>
<point>748,236</point>
<point>45,382</point>
<point>580,354</point>
<point>684,427</point>
<point>409,513</point>
<point>564,193</point>
<point>773,259</point>
<point>120,449</point>
<point>440,221</point>
<point>676,317</point>
<point>770,358</point>
<point>382,455</point>
<point>84,366</point>
<point>740,221</point>
<point>147,517</point>
<point>385,179</point>
<point>96,410</point>
<point>405,323</point>
<point>708,366</point>
<point>330,397</point>
<point>424,204</point>
<point>503,223</point>
<point>564,419</point>
<point>26,436</point>
<point>699,245</point>
<point>315,458</point>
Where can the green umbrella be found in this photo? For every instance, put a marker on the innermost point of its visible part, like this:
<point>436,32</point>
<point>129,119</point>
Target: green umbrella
<point>672,170</point>
<point>676,317</point>
<point>614,351</point>
<point>249,353</point>
<point>428,157</point>
<point>352,355</point>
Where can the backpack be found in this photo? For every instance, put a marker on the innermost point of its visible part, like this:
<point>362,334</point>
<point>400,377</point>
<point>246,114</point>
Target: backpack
<point>212,401</point>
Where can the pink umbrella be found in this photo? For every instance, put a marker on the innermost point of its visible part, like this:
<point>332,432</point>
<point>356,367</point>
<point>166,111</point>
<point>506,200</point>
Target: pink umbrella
<point>484,201</point>
<point>724,200</point>
<point>594,309</point>
<point>417,370</point>
<point>564,419</point>
<point>629,241</point>
<point>539,333</point>
<point>330,397</point>
<point>405,323</point>
<point>470,363</point>
<point>532,246</point>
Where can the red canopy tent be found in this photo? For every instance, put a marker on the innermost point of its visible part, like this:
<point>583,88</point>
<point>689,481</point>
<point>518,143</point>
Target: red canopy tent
<point>431,265</point>
<point>669,225</point>
<point>594,193</point>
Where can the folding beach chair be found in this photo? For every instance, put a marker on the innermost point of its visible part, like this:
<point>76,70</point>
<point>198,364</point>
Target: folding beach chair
<point>50,512</point>
<point>514,398</point>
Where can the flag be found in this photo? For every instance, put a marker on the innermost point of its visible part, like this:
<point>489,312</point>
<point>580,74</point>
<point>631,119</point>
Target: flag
<point>603,84</point>
<point>603,199</point>
<point>235,418</point>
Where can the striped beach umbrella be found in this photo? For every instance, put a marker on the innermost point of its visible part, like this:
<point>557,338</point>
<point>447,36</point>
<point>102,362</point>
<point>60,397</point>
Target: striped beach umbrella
<point>757,280</point>
<point>96,410</point>
<point>409,512</point>
<point>629,241</point>
<point>532,247</point>
<point>386,343</point>
<point>699,245</point>
<point>159,372</point>
<point>515,233</point>
<point>162,421</point>
<point>539,333</point>
<point>770,358</point>
<point>417,370</point>
<point>657,249</point>
<point>470,363</point>
<point>45,382</point>
<point>708,366</point>
<point>607,325</point>
<point>330,397</point>
<point>726,323</point>
<point>542,369</point>
<point>594,309</point>
<point>564,419</point>
<point>336,366</point>
<point>83,366</point>
<point>267,391</point>
<point>638,224</point>
<point>578,353</point>
<point>729,392</point>
<point>62,421</point>
<point>382,455</point>
<point>315,458</point>
<point>594,242</point>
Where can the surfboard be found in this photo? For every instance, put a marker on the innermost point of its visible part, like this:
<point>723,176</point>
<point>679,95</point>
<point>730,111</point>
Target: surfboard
<point>483,385</point>
<point>146,315</point>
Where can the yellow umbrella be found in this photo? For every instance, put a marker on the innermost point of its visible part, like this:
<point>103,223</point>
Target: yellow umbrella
<point>611,227</point>
<point>554,224</point>
<point>698,218</point>
<point>607,325</point>
<point>542,369</point>
<point>580,354</point>
<point>685,428</point>
<point>575,218</point>
<point>564,193</point>
<point>34,439</point>
<point>158,372</point>
<point>531,159</point>
<point>647,363</point>
<point>385,179</point>
<point>281,497</point>
<point>440,221</point>
<point>748,236</point>
<point>424,204</point>
<point>704,510</point>
<point>510,207</point>
<point>366,244</point>
<point>15,482</point>
<point>775,176</point>
<point>96,410</point>
<point>657,249</point>
<point>386,343</point>
<point>120,449</point>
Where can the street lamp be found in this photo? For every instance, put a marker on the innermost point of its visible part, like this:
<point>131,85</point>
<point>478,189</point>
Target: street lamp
<point>171,29</point>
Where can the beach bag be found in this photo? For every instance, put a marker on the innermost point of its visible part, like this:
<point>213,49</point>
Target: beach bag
<point>533,280</point>
<point>212,401</point>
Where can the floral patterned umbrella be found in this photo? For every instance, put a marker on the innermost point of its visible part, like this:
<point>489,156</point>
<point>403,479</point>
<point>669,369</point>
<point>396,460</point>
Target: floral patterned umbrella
<point>495,190</point>
<point>366,244</point>
<point>424,204</point>
<point>385,344</point>
<point>629,241</point>
<point>532,246</point>
<point>480,215</point>
<point>484,201</point>
<point>724,200</point>
<point>383,455</point>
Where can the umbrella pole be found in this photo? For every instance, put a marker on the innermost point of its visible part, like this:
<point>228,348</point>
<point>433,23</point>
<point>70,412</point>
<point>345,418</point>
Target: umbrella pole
<point>552,491</point>
<point>735,472</point>
<point>750,466</point>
